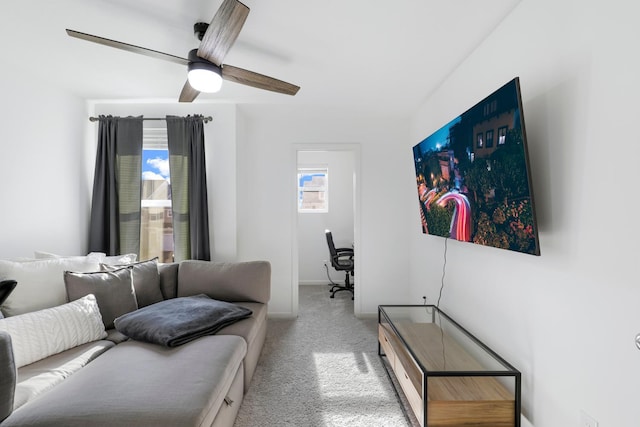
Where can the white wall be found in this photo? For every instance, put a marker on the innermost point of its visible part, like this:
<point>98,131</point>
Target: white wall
<point>220,147</point>
<point>312,243</point>
<point>42,190</point>
<point>266,197</point>
<point>568,318</point>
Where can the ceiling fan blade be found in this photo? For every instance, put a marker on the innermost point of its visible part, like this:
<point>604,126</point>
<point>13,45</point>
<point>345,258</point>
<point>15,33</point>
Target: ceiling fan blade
<point>128,47</point>
<point>223,31</point>
<point>188,93</point>
<point>250,78</point>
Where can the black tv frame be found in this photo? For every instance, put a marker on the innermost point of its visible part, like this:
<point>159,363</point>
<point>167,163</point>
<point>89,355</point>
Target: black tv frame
<point>473,176</point>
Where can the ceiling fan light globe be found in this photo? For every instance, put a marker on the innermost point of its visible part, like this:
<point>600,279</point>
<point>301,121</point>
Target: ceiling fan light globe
<point>203,80</point>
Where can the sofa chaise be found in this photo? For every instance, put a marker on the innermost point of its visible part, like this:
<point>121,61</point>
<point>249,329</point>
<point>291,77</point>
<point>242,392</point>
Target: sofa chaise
<point>120,381</point>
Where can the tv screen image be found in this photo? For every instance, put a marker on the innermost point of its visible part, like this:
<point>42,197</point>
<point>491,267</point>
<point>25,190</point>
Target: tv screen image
<point>473,176</point>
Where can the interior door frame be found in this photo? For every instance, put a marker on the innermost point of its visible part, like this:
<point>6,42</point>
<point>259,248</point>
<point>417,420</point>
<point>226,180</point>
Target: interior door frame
<point>354,148</point>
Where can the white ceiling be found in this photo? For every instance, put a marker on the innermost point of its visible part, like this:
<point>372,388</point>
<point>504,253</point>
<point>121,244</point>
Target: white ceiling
<point>388,55</point>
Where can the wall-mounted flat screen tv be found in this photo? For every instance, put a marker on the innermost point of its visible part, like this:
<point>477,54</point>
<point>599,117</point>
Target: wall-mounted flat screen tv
<point>473,176</point>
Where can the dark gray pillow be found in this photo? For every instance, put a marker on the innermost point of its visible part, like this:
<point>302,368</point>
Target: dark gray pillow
<point>113,290</point>
<point>7,375</point>
<point>146,280</point>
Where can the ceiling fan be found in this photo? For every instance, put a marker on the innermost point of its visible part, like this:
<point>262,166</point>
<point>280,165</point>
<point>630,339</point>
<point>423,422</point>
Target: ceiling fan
<point>206,70</point>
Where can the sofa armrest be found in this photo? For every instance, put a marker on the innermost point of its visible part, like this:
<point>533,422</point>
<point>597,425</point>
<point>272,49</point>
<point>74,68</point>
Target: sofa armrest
<point>7,375</point>
<point>227,281</point>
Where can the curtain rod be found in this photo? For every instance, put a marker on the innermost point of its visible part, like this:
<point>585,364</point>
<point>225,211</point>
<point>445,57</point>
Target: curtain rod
<point>204,119</point>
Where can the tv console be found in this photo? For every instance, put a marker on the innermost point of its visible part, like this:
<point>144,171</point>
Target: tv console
<point>449,377</point>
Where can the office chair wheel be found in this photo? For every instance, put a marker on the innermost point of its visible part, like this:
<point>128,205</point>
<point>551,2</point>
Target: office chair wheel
<point>332,296</point>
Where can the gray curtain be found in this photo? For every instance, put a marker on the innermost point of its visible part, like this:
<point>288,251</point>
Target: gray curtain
<point>115,205</point>
<point>185,136</point>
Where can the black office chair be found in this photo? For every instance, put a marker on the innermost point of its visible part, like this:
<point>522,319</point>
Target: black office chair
<point>341,260</point>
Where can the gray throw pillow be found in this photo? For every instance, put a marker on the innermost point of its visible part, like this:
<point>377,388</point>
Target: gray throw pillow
<point>168,279</point>
<point>146,280</point>
<point>113,291</point>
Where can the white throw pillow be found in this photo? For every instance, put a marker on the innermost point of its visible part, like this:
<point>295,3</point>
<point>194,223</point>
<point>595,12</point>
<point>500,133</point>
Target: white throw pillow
<point>40,282</point>
<point>43,333</point>
<point>99,256</point>
<point>119,259</point>
<point>46,255</point>
<point>20,259</point>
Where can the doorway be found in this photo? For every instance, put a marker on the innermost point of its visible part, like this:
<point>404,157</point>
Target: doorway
<point>342,163</point>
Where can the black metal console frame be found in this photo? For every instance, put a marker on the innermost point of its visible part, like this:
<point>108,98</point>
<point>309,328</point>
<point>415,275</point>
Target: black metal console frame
<point>511,372</point>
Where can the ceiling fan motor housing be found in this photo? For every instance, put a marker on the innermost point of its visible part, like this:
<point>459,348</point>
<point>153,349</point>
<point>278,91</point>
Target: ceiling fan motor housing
<point>199,28</point>
<point>197,62</point>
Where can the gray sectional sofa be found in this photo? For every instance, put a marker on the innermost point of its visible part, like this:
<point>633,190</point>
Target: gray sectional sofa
<point>119,381</point>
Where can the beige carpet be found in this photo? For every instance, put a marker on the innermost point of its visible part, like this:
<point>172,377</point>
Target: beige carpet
<point>321,369</point>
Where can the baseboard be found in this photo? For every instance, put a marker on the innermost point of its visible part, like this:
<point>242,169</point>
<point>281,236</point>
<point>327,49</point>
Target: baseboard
<point>281,316</point>
<point>313,282</point>
<point>367,315</point>
<point>524,422</point>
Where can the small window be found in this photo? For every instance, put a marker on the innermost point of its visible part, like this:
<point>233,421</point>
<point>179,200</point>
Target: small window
<point>156,227</point>
<point>313,190</point>
<point>489,140</point>
<point>502,135</point>
<point>479,141</point>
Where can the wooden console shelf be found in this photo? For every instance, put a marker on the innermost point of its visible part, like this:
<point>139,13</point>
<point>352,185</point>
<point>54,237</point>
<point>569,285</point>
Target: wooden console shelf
<point>461,388</point>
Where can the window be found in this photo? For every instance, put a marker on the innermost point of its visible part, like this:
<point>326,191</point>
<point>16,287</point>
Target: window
<point>502,135</point>
<point>490,107</point>
<point>313,190</point>
<point>489,140</point>
<point>156,226</point>
<point>479,141</point>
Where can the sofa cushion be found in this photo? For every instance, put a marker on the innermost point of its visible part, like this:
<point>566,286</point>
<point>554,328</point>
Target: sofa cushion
<point>42,333</point>
<point>146,280</point>
<point>143,384</point>
<point>116,336</point>
<point>247,328</point>
<point>178,321</point>
<point>40,376</point>
<point>254,331</point>
<point>233,281</point>
<point>113,291</point>
<point>40,282</point>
